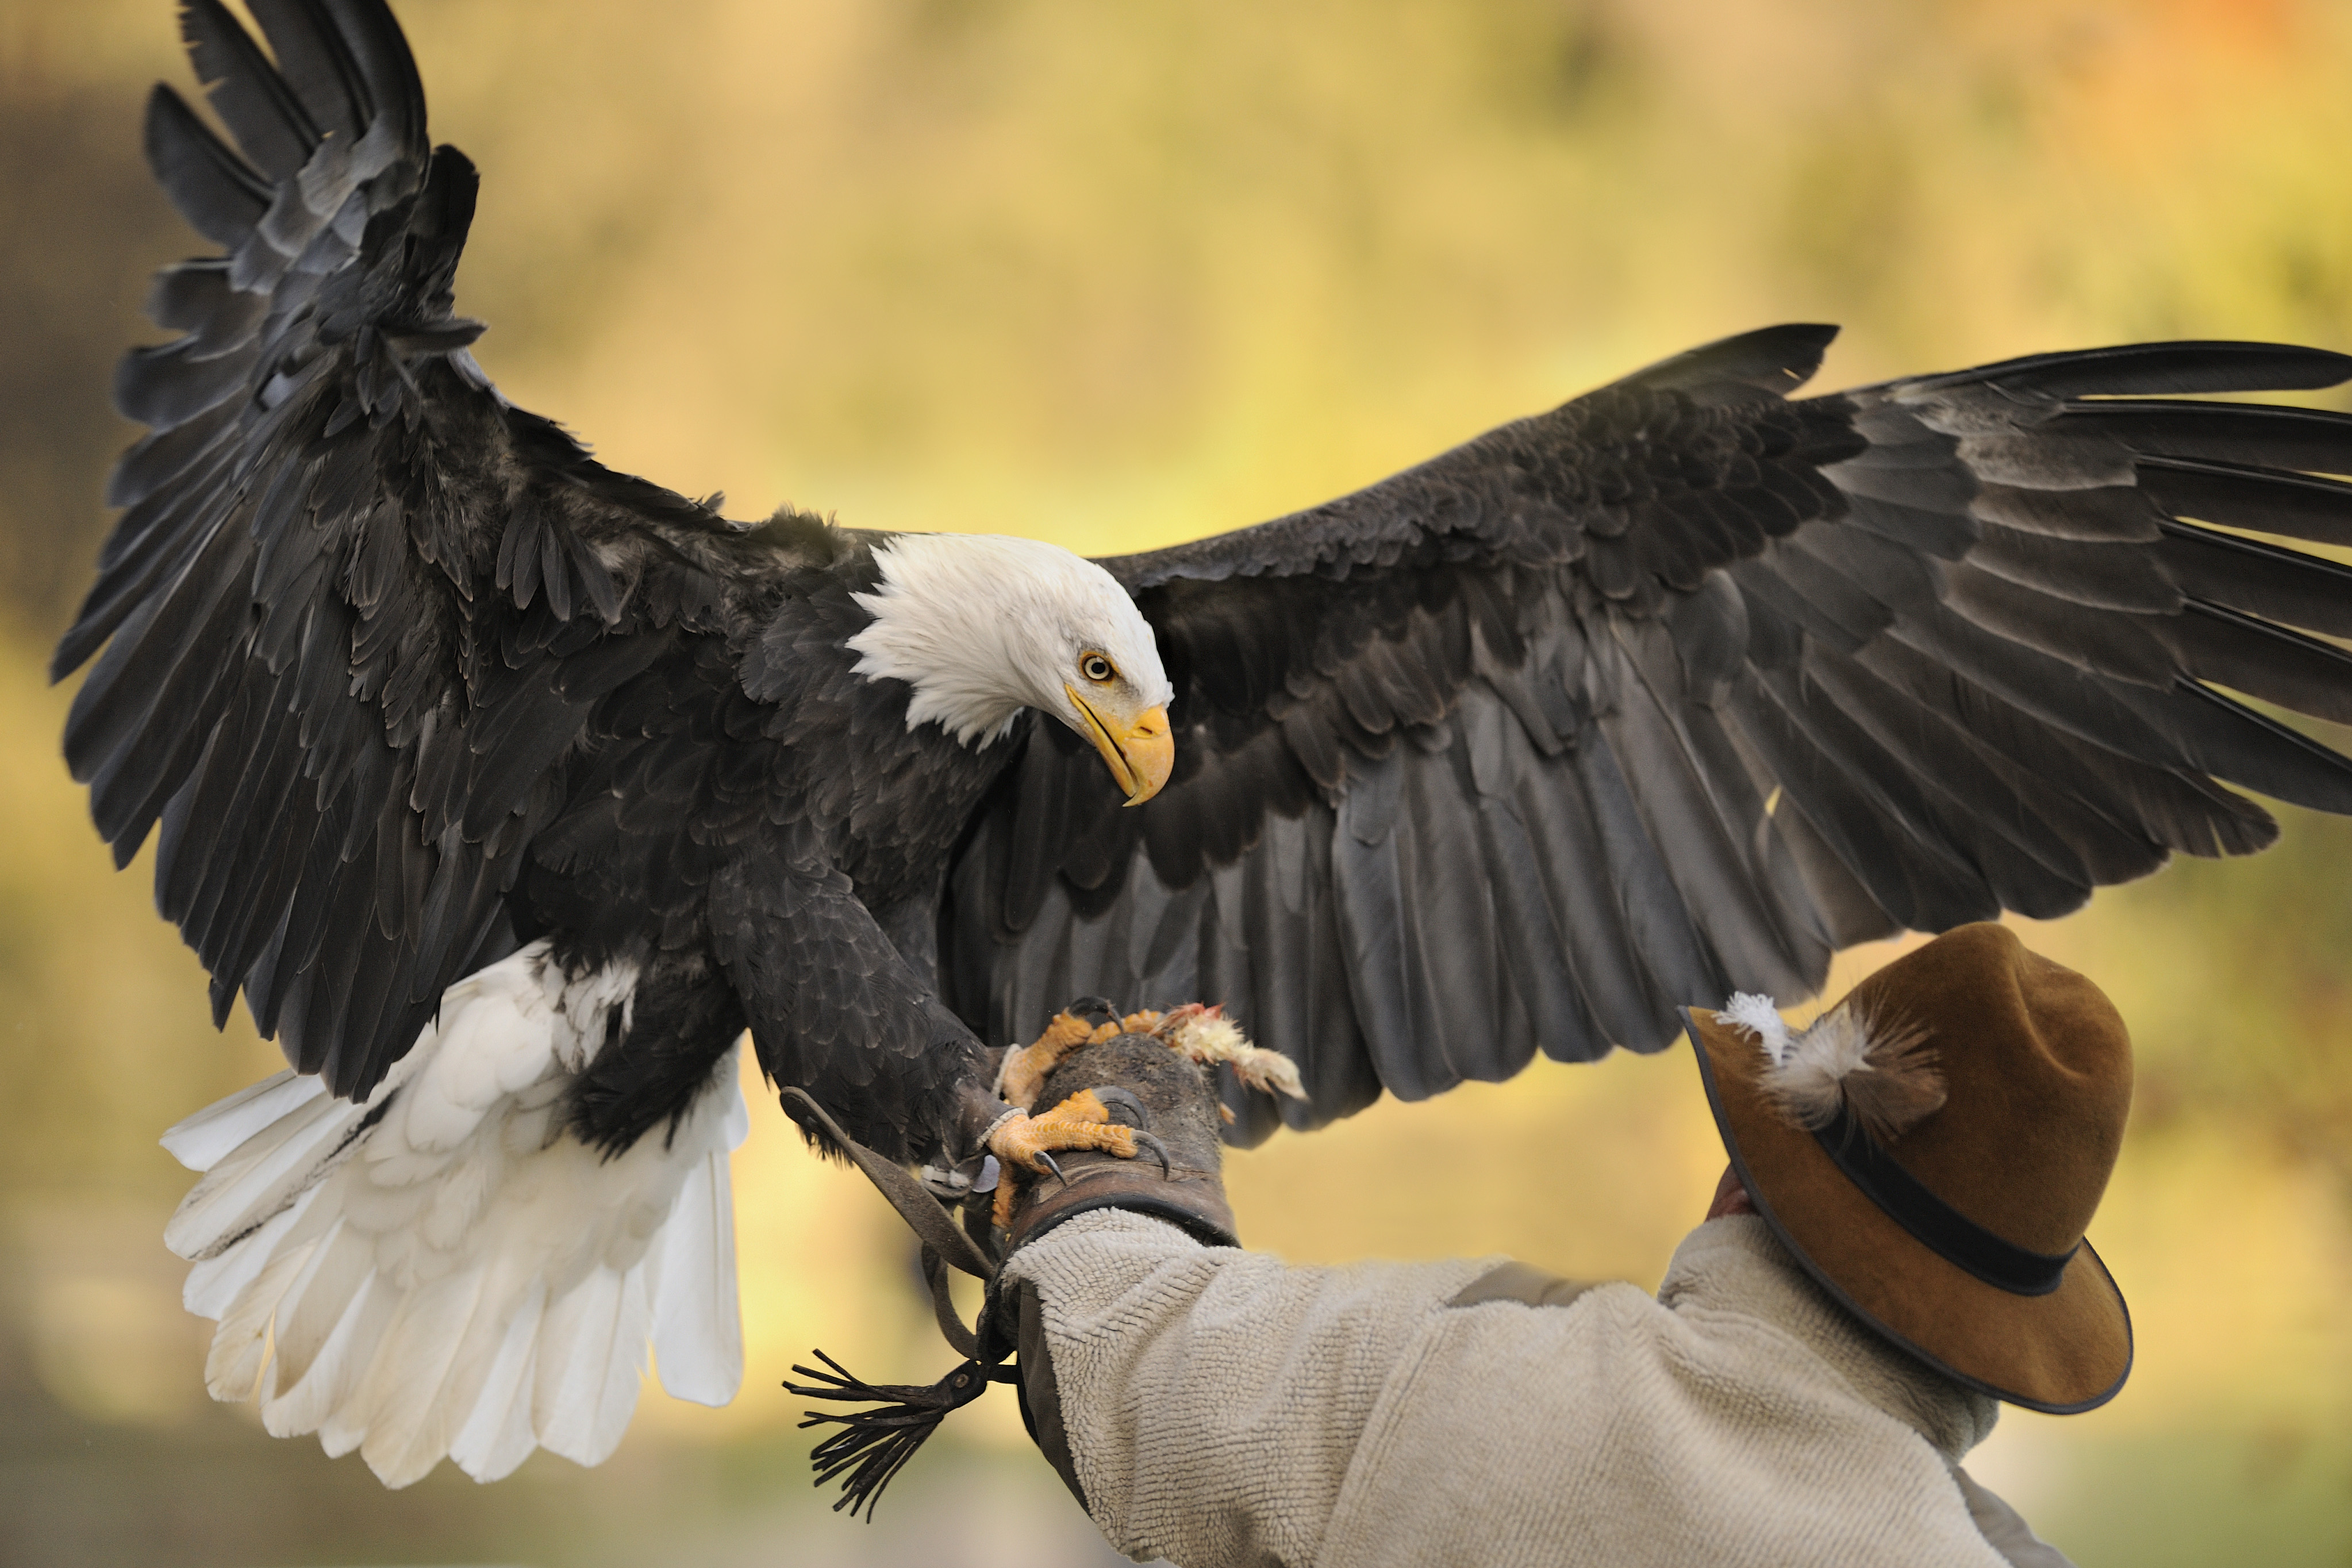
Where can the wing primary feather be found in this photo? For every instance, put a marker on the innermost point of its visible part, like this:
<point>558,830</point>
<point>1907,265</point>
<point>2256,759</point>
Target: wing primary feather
<point>2258,579</point>
<point>2262,660</point>
<point>170,383</point>
<point>219,197</point>
<point>2307,438</point>
<point>268,122</point>
<point>315,65</point>
<point>382,71</point>
<point>2228,739</point>
<point>2297,505</point>
<point>2146,369</point>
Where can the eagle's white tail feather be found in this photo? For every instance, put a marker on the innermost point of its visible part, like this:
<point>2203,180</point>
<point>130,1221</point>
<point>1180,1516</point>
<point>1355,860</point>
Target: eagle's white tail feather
<point>261,1176</point>
<point>335,1275</point>
<point>591,1354</point>
<point>215,1282</point>
<point>461,1277</point>
<point>233,1366</point>
<point>430,1373</point>
<point>498,1436</point>
<point>201,1140</point>
<point>697,1335</point>
<point>311,1374</point>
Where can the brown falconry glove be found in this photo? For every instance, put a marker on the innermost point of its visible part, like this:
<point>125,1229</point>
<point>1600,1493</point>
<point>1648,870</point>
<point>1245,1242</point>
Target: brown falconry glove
<point>1137,1081</point>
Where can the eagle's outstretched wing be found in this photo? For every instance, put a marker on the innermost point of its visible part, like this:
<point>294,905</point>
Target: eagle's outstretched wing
<point>1678,689</point>
<point>359,605</point>
<point>468,755</point>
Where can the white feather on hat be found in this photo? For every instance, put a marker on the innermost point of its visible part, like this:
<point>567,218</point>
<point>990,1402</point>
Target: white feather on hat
<point>1878,1067</point>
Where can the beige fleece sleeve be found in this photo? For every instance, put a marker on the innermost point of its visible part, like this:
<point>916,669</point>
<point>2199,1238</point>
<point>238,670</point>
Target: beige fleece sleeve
<point>1222,1410</point>
<point>1213,1398</point>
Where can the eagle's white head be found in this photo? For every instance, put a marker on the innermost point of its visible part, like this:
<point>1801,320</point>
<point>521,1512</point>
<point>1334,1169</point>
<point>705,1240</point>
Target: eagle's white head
<point>981,626</point>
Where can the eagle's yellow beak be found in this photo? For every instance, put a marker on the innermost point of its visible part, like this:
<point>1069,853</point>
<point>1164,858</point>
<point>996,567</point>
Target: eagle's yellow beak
<point>1140,754</point>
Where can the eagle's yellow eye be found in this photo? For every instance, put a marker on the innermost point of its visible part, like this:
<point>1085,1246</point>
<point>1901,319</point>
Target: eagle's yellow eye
<point>1096,668</point>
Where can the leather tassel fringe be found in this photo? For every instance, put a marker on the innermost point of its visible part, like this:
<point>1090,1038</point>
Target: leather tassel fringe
<point>874,1445</point>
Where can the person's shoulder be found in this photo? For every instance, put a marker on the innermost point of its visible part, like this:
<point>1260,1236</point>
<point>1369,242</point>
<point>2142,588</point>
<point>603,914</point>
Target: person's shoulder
<point>1532,1326</point>
<point>1734,1267</point>
<point>1737,1297</point>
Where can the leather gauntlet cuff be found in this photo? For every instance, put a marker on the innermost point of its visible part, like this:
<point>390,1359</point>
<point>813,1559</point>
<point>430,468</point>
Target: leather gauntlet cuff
<point>1193,1201</point>
<point>1155,1090</point>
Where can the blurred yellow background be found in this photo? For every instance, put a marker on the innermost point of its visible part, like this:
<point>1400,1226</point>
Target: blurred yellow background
<point>1117,275</point>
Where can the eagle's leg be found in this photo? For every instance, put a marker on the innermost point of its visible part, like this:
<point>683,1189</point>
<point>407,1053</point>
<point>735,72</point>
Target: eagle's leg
<point>1088,1021</point>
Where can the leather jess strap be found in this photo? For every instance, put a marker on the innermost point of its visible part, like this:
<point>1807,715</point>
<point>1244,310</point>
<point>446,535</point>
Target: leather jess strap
<point>922,1213</point>
<point>871,1446</point>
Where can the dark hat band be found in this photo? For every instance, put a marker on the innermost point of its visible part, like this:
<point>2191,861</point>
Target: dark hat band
<point>1941,1228</point>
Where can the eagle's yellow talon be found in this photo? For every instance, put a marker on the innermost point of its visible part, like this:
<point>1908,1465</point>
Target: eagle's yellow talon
<point>1081,1121</point>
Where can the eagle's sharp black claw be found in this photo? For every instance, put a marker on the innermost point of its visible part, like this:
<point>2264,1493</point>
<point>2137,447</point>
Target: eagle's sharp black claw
<point>1053,1167</point>
<point>1159,1150</point>
<point>1094,1010</point>
<point>1123,1107</point>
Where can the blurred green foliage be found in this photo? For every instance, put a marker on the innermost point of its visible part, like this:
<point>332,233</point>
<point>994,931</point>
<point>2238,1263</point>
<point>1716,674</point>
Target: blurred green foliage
<point>1117,275</point>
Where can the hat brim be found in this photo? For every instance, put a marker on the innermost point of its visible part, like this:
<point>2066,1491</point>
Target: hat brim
<point>2062,1353</point>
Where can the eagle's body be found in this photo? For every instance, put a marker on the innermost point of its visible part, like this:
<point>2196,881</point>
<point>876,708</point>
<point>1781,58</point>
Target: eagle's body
<point>674,845</point>
<point>512,791</point>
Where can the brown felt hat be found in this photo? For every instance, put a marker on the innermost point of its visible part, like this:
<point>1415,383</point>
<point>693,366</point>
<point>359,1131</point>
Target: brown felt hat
<point>1997,1083</point>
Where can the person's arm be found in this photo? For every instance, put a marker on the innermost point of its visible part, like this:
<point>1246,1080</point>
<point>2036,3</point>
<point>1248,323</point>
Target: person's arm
<point>1205,1403</point>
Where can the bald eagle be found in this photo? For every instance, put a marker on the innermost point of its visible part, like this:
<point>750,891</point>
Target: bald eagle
<point>511,792</point>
